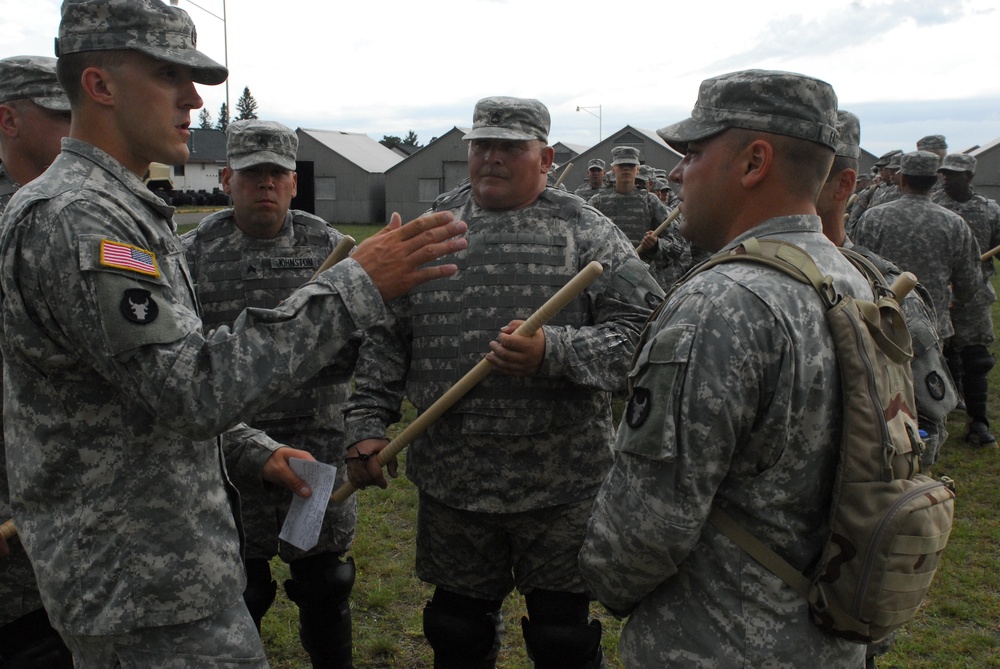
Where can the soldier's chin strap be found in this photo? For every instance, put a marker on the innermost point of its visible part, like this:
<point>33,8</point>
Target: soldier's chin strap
<point>564,296</point>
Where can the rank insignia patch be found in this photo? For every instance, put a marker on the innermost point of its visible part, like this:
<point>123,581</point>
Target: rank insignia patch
<point>138,306</point>
<point>125,256</point>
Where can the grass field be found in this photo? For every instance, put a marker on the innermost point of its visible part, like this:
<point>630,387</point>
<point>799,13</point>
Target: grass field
<point>958,627</point>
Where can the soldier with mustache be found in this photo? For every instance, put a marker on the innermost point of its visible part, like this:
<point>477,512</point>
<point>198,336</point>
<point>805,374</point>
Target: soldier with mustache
<point>508,475</point>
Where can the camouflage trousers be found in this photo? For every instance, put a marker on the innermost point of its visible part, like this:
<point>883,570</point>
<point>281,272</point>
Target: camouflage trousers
<point>225,640</point>
<point>486,555</point>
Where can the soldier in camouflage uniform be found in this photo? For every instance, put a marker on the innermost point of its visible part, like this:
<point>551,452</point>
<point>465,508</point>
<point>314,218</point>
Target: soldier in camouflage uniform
<point>935,391</point>
<point>969,350</point>
<point>595,180</point>
<point>875,191</point>
<point>926,239</point>
<point>34,117</point>
<point>637,211</point>
<point>254,255</point>
<point>114,393</point>
<point>735,400</point>
<point>507,476</point>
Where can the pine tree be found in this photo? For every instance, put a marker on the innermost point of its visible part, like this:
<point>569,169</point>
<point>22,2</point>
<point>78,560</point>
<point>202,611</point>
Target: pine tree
<point>205,119</point>
<point>246,106</point>
<point>223,121</point>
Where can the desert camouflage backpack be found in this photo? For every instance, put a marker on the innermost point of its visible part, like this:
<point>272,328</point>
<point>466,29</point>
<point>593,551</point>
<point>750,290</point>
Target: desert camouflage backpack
<point>888,523</point>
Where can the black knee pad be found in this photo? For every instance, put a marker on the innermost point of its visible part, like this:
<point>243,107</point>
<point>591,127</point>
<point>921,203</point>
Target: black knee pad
<point>320,586</point>
<point>324,577</point>
<point>463,632</point>
<point>563,646</point>
<point>261,589</point>
<point>977,359</point>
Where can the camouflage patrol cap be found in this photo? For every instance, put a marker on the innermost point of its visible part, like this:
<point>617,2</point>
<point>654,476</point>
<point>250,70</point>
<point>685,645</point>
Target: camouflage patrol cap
<point>780,102</point>
<point>645,174</point>
<point>894,161</point>
<point>518,119</point>
<point>32,78</point>
<point>849,128</point>
<point>958,162</point>
<point>931,142</point>
<point>255,142</point>
<point>919,164</point>
<point>886,158</point>
<point>624,155</point>
<point>595,164</point>
<point>157,30</point>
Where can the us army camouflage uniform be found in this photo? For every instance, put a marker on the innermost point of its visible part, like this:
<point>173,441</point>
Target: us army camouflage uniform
<point>232,271</point>
<point>735,392</point>
<point>113,388</point>
<point>511,445</point>
<point>935,244</point>
<point>933,386</point>
<point>885,193</point>
<point>634,213</point>
<point>586,192</point>
<point>18,589</point>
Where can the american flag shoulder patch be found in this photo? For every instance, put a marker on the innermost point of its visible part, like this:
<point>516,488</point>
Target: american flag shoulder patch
<point>128,257</point>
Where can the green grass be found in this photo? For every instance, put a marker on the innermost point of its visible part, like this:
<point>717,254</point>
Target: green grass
<point>957,628</point>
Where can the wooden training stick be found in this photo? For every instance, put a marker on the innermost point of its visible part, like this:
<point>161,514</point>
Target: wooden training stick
<point>989,254</point>
<point>339,252</point>
<point>663,226</point>
<point>903,284</point>
<point>562,176</point>
<point>576,285</point>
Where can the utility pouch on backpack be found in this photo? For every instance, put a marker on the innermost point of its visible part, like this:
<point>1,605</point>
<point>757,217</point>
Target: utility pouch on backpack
<point>888,523</point>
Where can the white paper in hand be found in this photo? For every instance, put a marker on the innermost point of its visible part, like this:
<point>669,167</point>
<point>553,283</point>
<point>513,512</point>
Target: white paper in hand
<point>305,517</point>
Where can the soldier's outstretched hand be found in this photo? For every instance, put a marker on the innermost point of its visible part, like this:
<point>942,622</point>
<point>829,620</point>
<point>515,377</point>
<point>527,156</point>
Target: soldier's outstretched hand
<point>393,256</point>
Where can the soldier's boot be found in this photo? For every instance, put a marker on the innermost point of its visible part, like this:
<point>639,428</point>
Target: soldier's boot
<point>261,589</point>
<point>977,361</point>
<point>464,632</point>
<point>321,587</point>
<point>30,642</point>
<point>557,634</point>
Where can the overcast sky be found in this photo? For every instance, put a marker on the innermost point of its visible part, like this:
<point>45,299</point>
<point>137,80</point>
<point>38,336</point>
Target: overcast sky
<point>907,68</point>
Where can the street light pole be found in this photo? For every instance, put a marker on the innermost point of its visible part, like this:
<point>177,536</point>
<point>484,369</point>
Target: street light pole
<point>225,42</point>
<point>600,131</point>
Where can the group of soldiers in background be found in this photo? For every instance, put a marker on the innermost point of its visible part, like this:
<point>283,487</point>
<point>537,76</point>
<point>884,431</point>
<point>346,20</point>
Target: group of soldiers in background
<point>963,307</point>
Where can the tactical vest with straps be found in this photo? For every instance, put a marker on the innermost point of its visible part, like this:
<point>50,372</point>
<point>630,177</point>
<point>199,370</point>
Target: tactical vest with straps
<point>504,274</point>
<point>233,271</point>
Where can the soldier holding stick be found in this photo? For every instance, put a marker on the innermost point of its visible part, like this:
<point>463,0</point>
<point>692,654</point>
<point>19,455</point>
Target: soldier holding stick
<point>508,474</point>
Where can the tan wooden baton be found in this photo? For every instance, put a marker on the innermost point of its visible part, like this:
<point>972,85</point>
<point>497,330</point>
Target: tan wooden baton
<point>663,226</point>
<point>903,284</point>
<point>339,252</point>
<point>7,530</point>
<point>576,285</point>
<point>989,254</point>
<point>562,176</point>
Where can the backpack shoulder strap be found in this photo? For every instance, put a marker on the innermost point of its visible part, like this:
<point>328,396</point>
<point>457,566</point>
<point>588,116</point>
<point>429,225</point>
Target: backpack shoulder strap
<point>759,551</point>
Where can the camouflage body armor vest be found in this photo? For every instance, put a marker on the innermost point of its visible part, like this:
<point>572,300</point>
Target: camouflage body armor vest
<point>233,271</point>
<point>631,212</point>
<point>511,266</point>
